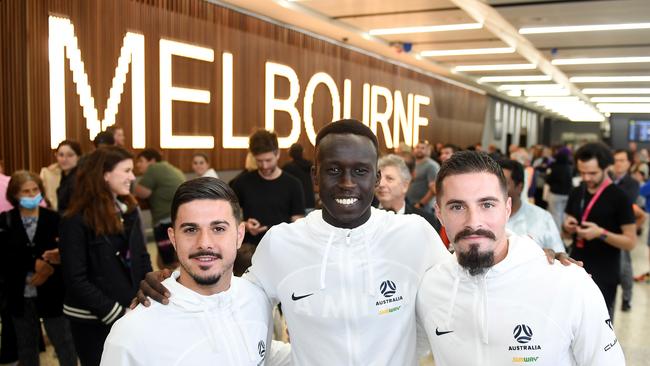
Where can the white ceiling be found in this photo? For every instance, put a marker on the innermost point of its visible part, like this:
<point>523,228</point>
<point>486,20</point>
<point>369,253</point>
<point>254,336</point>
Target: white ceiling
<point>350,19</point>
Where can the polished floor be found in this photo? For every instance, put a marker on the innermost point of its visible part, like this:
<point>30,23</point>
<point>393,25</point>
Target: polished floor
<point>632,328</point>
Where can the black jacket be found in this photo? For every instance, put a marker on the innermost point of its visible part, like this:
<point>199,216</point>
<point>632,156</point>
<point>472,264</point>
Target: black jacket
<point>66,187</point>
<point>100,281</point>
<point>630,187</point>
<point>18,258</point>
<point>301,169</point>
<point>560,177</point>
<point>431,218</point>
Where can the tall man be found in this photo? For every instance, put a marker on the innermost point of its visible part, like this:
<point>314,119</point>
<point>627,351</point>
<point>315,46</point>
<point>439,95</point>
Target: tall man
<point>157,185</point>
<point>630,186</point>
<point>600,219</point>
<point>214,318</point>
<point>527,219</point>
<point>422,190</point>
<point>267,195</point>
<point>346,275</point>
<point>497,301</point>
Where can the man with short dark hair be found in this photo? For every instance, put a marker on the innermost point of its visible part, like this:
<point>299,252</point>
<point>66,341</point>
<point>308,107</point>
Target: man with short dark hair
<point>600,219</point>
<point>422,189</point>
<point>527,219</point>
<point>214,317</point>
<point>157,185</point>
<point>498,301</point>
<point>621,176</point>
<point>447,151</point>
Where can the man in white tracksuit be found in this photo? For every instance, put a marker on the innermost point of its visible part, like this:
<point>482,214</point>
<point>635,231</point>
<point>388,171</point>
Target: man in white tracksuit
<point>497,301</point>
<point>213,318</point>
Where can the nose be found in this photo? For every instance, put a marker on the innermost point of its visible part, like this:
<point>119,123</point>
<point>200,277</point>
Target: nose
<point>131,176</point>
<point>204,240</point>
<point>346,179</point>
<point>472,218</point>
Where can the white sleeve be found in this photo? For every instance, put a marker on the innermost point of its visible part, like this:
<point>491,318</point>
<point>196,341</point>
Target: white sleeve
<point>118,355</point>
<point>279,355</point>
<point>262,269</point>
<point>594,342</point>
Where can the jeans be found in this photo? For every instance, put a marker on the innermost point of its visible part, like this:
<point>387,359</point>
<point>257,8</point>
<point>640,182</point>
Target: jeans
<point>27,335</point>
<point>627,278</point>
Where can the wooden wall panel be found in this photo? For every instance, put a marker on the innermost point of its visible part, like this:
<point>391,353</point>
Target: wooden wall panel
<point>455,114</point>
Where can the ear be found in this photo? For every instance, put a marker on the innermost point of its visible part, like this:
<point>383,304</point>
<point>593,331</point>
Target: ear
<point>314,177</point>
<point>378,178</point>
<point>106,176</point>
<point>241,231</point>
<point>438,213</point>
<point>172,237</point>
<point>508,207</point>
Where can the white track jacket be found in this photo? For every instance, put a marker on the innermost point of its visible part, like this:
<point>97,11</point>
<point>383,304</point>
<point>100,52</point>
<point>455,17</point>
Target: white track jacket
<point>348,295</point>
<point>523,311</point>
<point>229,328</point>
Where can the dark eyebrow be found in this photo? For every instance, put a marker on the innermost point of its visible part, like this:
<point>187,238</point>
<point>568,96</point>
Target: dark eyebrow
<point>454,202</point>
<point>213,223</point>
<point>485,199</point>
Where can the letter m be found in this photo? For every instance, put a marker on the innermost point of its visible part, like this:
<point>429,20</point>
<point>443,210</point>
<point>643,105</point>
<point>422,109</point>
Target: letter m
<point>63,43</point>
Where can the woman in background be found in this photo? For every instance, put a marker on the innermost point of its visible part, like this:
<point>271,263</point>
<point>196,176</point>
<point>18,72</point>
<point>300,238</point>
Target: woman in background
<point>33,281</point>
<point>201,166</point>
<point>103,249</point>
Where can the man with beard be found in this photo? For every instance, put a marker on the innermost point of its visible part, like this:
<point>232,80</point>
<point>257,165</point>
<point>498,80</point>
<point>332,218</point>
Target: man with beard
<point>600,218</point>
<point>213,317</point>
<point>497,301</point>
<point>346,275</point>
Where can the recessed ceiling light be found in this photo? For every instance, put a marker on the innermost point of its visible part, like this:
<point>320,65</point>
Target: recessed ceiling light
<point>504,67</point>
<point>467,51</point>
<point>514,79</point>
<point>553,99</point>
<point>624,107</point>
<point>530,86</point>
<point>609,79</point>
<point>425,29</point>
<point>599,60</point>
<point>605,91</point>
<point>620,100</point>
<point>584,28</point>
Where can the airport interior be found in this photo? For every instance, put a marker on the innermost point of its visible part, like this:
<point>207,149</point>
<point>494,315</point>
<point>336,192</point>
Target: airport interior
<point>113,111</point>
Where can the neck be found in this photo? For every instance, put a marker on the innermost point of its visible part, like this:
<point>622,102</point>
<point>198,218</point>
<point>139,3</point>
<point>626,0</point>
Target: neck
<point>346,225</point>
<point>595,189</point>
<point>206,290</point>
<point>501,251</point>
<point>26,212</point>
<point>276,173</point>
<point>618,176</point>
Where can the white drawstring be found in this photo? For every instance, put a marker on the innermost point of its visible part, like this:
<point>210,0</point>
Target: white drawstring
<point>484,300</point>
<point>323,265</point>
<point>452,303</point>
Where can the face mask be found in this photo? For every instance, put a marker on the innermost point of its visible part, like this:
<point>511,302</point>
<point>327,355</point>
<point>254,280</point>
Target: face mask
<point>31,203</point>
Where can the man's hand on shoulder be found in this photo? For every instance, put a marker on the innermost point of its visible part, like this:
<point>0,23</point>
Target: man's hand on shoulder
<point>152,287</point>
<point>562,257</point>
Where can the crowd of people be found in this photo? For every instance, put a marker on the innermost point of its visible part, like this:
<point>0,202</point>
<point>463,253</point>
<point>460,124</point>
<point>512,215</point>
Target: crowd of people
<point>353,247</point>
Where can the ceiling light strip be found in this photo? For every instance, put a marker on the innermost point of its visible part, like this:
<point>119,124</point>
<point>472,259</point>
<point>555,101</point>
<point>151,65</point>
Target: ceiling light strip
<point>467,51</point>
<point>501,67</point>
<point>600,60</point>
<point>424,29</point>
<point>609,79</point>
<point>584,28</point>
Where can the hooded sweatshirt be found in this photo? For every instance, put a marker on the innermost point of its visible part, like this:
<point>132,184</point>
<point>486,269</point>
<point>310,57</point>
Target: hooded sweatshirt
<point>232,327</point>
<point>522,311</point>
<point>348,295</point>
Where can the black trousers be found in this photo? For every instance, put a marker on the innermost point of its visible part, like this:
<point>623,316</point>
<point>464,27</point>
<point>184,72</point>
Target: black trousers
<point>89,341</point>
<point>609,294</point>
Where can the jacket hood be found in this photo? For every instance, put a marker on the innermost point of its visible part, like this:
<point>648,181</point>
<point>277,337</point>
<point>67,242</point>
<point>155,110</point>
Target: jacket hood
<point>328,235</point>
<point>521,251</point>
<point>204,307</point>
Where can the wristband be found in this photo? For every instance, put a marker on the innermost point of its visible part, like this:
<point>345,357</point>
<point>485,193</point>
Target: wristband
<point>603,235</point>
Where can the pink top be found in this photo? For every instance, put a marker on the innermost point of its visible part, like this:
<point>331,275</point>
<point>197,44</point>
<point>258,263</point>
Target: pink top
<point>4,204</point>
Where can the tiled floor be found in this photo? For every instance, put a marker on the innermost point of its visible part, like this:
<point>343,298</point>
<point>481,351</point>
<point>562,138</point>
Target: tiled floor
<point>632,328</point>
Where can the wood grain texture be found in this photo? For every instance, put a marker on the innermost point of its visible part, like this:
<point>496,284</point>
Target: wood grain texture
<point>455,115</point>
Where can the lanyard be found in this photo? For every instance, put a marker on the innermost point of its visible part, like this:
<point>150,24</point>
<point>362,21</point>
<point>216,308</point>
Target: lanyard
<point>580,243</point>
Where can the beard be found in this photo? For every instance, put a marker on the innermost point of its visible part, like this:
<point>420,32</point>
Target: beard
<point>473,260</point>
<point>203,280</point>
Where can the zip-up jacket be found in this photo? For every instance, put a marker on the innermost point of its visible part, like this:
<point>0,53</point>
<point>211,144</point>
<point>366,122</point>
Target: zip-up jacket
<point>100,280</point>
<point>230,328</point>
<point>348,295</point>
<point>522,311</point>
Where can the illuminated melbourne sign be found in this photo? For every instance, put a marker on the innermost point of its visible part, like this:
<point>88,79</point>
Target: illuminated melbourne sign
<point>400,116</point>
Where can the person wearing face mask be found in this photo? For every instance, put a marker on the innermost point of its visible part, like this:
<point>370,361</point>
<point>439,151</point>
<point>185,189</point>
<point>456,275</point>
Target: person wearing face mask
<point>33,283</point>
<point>103,251</point>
